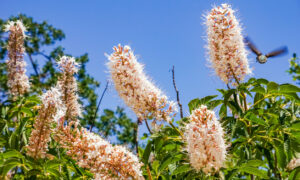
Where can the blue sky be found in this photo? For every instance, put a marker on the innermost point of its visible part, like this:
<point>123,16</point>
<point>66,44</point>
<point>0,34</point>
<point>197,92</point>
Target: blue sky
<point>163,34</point>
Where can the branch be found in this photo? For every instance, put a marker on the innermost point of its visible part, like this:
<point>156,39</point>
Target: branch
<point>95,115</point>
<point>228,86</point>
<point>34,66</point>
<point>148,127</point>
<point>46,56</point>
<point>235,77</point>
<point>177,93</point>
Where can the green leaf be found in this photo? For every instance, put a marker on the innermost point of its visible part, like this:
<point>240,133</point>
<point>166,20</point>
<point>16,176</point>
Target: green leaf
<point>213,104</point>
<point>206,99</point>
<point>295,126</point>
<point>262,81</point>
<point>169,160</point>
<point>53,163</point>
<point>254,163</point>
<point>259,89</point>
<point>255,171</point>
<point>34,99</point>
<point>281,156</point>
<point>170,147</point>
<point>289,88</point>
<point>147,152</point>
<point>290,95</point>
<point>172,167</point>
<point>195,103</point>
<point>12,154</point>
<point>272,87</point>
<point>223,111</point>
<point>26,111</point>
<point>182,169</point>
<point>253,118</point>
<point>258,97</point>
<point>158,142</point>
<point>155,166</point>
<point>54,172</point>
<point>229,94</point>
<point>8,166</point>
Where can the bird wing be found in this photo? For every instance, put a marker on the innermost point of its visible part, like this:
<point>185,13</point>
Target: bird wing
<point>251,45</point>
<point>277,52</point>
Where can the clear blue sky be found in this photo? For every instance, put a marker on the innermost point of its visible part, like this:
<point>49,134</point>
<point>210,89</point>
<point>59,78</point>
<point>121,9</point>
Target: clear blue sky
<point>165,33</point>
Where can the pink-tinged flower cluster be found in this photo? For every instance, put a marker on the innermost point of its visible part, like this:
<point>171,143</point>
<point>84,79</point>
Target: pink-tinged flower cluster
<point>18,82</point>
<point>67,85</point>
<point>134,87</point>
<point>100,157</point>
<point>205,144</point>
<point>51,110</point>
<point>294,163</point>
<point>227,52</point>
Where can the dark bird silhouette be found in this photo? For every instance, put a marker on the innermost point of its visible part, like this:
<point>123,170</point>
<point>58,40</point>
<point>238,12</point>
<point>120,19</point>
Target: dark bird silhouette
<point>262,58</point>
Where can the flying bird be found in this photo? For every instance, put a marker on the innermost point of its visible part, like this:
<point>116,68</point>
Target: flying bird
<point>262,58</point>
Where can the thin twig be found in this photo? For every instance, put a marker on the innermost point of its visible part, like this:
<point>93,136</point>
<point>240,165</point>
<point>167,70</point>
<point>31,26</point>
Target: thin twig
<point>34,66</point>
<point>46,56</point>
<point>228,86</point>
<point>236,79</point>
<point>177,92</point>
<point>148,127</point>
<point>95,115</point>
<point>138,122</point>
